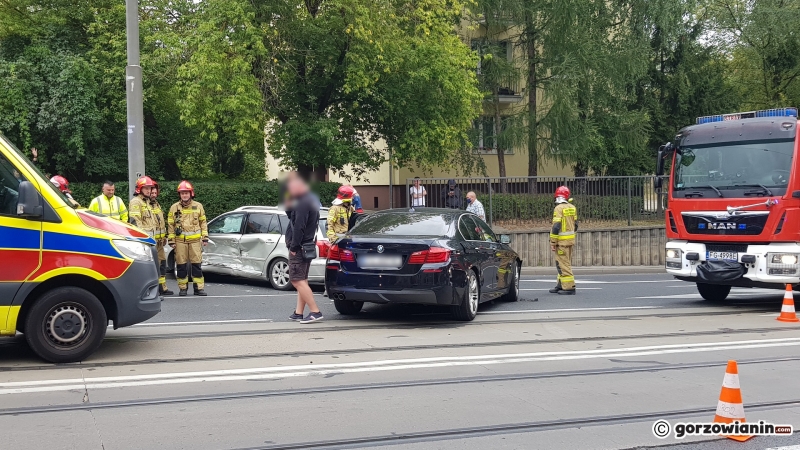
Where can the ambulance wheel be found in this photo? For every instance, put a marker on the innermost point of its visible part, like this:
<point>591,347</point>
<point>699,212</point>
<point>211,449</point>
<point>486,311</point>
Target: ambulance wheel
<point>66,324</point>
<point>713,292</point>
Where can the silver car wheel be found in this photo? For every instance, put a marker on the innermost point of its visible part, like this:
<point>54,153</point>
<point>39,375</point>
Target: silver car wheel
<point>280,273</point>
<point>473,295</point>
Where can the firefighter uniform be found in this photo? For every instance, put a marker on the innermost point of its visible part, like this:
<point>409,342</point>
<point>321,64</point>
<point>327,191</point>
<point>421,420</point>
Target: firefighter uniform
<point>339,220</point>
<point>187,230</point>
<point>161,242</point>
<point>562,237</point>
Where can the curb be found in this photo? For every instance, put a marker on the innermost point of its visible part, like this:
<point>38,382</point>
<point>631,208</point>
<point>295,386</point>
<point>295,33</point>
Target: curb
<point>598,270</point>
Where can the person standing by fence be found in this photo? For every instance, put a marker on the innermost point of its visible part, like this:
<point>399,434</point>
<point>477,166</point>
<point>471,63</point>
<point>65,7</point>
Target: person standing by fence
<point>418,194</point>
<point>562,241</point>
<point>451,196</point>
<point>475,206</point>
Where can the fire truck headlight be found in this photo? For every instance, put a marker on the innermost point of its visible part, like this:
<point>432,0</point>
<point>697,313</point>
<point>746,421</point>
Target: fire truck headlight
<point>786,259</point>
<point>673,253</point>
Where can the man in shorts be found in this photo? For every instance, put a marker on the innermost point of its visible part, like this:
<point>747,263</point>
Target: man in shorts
<point>303,215</point>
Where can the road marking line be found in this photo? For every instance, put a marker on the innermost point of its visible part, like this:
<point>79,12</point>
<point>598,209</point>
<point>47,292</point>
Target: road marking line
<point>581,281</point>
<point>156,324</point>
<point>250,295</point>
<point>377,366</point>
<point>616,308</point>
<point>583,289</point>
<point>791,447</point>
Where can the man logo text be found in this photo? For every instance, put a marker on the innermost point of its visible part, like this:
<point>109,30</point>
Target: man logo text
<point>722,226</point>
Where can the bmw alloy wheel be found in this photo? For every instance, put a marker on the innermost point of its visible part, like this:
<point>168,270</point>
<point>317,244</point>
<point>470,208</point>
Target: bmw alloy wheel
<point>473,295</point>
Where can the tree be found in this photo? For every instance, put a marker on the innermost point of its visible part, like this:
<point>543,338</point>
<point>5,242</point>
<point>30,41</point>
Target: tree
<point>762,38</point>
<point>331,78</point>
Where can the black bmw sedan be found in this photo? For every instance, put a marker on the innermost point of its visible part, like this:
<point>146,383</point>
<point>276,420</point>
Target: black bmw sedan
<point>431,256</point>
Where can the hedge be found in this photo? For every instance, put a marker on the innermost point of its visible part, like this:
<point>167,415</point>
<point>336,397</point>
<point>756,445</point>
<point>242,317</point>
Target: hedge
<point>524,207</point>
<point>216,196</point>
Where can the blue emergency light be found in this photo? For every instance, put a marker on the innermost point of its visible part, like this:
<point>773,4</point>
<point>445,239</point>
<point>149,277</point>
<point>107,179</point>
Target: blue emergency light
<point>775,112</point>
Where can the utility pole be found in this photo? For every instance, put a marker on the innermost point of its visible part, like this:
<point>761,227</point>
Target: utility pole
<point>133,91</point>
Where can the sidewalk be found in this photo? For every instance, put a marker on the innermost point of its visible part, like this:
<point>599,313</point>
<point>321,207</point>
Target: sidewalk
<point>598,270</point>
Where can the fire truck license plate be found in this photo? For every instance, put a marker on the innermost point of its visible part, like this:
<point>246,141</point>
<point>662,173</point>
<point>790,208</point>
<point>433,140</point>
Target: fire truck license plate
<point>725,256</point>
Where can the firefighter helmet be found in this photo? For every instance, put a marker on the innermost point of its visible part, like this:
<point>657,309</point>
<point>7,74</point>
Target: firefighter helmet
<point>186,186</point>
<point>144,181</point>
<point>562,192</point>
<point>61,183</point>
<point>345,193</point>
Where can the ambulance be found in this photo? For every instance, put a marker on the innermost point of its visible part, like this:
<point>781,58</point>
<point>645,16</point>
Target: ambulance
<point>66,273</point>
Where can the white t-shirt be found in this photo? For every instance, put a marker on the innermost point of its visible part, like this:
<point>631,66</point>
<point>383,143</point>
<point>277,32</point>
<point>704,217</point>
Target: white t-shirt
<point>417,195</point>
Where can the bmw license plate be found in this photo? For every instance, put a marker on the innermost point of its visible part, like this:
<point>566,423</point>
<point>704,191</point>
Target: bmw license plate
<point>380,261</point>
<point>725,256</point>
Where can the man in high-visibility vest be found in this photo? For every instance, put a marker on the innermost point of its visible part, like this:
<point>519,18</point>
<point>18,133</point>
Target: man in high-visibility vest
<point>187,234</point>
<point>161,239</point>
<point>339,213</point>
<point>562,241</point>
<point>109,204</point>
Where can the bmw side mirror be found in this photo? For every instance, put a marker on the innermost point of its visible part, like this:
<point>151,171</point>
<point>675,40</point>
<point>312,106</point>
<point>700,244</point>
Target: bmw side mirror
<point>505,239</point>
<point>29,204</point>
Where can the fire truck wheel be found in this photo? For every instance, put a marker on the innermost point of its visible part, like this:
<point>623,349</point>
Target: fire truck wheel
<point>65,325</point>
<point>713,292</point>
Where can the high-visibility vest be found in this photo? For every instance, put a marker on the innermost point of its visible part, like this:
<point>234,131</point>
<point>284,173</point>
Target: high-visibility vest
<point>112,207</point>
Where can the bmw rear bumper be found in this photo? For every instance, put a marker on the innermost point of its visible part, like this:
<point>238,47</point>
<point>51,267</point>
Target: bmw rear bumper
<point>441,295</point>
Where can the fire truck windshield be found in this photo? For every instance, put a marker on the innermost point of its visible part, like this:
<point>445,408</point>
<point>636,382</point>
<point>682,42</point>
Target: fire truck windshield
<point>734,167</point>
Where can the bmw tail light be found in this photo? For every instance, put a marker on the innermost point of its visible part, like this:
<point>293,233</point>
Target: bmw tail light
<point>434,255</point>
<point>337,254</point>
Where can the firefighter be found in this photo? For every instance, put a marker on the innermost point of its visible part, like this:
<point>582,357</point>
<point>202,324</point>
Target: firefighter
<point>339,214</point>
<point>187,234</point>
<point>161,239</point>
<point>562,240</point>
<point>63,185</point>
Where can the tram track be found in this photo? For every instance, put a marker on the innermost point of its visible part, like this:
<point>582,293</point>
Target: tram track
<point>367,350</point>
<point>653,368</point>
<point>506,428</point>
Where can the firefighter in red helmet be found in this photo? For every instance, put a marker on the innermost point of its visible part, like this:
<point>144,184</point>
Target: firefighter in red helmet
<point>187,234</point>
<point>63,185</point>
<point>340,212</point>
<point>562,240</point>
<point>161,240</point>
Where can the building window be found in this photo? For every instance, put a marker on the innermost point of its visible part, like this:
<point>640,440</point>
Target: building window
<point>486,143</point>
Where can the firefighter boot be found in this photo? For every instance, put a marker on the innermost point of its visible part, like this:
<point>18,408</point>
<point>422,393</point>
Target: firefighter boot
<point>183,292</point>
<point>165,290</point>
<point>567,291</point>
<point>556,289</point>
<point>199,291</point>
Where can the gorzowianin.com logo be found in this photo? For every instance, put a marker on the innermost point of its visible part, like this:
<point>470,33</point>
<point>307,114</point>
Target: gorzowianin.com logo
<point>662,429</point>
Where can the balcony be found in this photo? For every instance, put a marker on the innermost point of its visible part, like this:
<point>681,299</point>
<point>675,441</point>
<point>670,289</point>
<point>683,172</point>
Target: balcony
<point>509,92</point>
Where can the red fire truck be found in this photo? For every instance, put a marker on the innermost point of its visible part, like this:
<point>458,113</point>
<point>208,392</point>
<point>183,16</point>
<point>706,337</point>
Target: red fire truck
<point>733,215</point>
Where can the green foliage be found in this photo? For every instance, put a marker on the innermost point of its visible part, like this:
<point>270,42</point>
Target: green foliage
<point>217,197</point>
<point>524,207</point>
<point>331,79</point>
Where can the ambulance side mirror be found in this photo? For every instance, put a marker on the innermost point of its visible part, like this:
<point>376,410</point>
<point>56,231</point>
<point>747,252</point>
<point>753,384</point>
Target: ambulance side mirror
<point>29,205</point>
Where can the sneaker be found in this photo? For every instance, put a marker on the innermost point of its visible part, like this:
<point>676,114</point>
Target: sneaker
<point>555,290</point>
<point>296,317</point>
<point>566,292</point>
<point>312,317</point>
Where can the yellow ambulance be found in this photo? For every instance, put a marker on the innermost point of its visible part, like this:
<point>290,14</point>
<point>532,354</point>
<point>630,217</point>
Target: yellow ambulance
<point>65,273</point>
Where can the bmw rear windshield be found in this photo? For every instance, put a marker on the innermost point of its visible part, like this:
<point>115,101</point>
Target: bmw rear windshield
<point>404,224</point>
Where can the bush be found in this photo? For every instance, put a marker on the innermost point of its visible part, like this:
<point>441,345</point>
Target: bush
<point>217,197</point>
<point>524,207</point>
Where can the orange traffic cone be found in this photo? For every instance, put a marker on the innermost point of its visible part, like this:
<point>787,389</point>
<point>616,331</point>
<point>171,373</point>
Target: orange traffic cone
<point>787,310</point>
<point>730,407</point>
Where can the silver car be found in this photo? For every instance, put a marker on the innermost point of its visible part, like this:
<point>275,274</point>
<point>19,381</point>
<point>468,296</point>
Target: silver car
<point>251,242</point>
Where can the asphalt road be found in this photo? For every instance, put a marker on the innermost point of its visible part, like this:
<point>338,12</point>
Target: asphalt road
<point>593,371</point>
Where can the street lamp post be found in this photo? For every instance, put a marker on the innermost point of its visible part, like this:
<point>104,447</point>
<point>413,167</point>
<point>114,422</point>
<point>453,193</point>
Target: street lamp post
<point>133,91</point>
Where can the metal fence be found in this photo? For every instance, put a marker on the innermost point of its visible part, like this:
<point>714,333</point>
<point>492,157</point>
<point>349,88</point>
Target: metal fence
<point>517,203</point>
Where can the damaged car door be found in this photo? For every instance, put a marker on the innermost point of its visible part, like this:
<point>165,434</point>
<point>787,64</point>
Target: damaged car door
<point>262,233</point>
<point>222,254</point>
